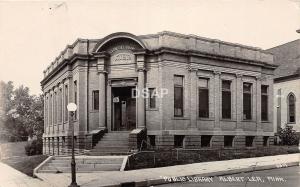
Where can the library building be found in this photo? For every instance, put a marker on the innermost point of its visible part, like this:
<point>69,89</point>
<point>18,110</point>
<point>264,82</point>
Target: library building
<point>161,91</point>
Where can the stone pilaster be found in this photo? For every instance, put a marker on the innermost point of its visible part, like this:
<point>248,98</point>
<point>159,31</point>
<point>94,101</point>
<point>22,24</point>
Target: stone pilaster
<point>239,101</point>
<point>102,71</point>
<point>258,104</point>
<point>217,93</point>
<point>193,94</point>
<point>141,107</point>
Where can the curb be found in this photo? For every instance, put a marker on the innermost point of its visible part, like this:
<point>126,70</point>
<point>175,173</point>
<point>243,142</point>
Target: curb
<point>158,181</point>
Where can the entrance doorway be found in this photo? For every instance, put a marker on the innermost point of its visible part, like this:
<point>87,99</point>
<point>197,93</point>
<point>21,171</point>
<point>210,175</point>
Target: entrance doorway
<point>124,109</point>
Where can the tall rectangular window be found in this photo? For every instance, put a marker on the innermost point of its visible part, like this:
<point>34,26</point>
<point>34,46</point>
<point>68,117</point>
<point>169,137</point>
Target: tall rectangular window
<point>226,99</point>
<point>247,101</point>
<point>152,98</point>
<point>55,107</point>
<point>178,96</point>
<point>264,103</point>
<point>60,106</point>
<point>203,98</point>
<point>50,110</point>
<point>66,102</point>
<point>96,100</point>
<point>75,98</point>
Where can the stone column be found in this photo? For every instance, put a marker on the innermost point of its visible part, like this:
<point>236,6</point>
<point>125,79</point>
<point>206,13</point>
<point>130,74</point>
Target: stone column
<point>258,103</point>
<point>102,71</point>
<point>141,107</point>
<point>193,96</point>
<point>217,94</point>
<point>239,101</point>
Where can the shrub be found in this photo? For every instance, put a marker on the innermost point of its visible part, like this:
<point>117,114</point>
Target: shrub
<point>288,136</point>
<point>34,147</point>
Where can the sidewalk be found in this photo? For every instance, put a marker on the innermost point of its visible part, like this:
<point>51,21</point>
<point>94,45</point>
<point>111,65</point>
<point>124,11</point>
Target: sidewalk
<point>147,177</point>
<point>9,177</point>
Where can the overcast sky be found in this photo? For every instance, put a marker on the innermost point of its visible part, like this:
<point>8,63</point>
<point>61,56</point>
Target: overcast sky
<point>33,33</point>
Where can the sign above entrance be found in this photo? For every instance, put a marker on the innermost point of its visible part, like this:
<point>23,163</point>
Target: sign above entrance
<point>122,58</point>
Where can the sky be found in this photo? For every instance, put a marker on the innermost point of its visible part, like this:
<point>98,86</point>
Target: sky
<point>33,33</point>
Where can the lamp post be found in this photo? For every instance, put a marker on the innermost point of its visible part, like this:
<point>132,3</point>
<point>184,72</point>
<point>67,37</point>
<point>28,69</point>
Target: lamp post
<point>72,107</point>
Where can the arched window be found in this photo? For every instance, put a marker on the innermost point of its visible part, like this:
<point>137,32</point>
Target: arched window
<point>291,108</point>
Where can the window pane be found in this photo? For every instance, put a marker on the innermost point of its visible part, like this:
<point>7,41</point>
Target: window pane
<point>203,83</point>
<point>96,99</point>
<point>264,89</point>
<point>291,100</point>
<point>203,103</point>
<point>247,87</point>
<point>226,104</point>
<point>178,80</point>
<point>247,106</point>
<point>152,98</point>
<point>247,103</point>
<point>226,85</point>
<point>178,101</point>
<point>264,107</point>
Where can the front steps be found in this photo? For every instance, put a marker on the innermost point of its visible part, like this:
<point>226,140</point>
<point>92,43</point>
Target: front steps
<point>112,143</point>
<point>84,164</point>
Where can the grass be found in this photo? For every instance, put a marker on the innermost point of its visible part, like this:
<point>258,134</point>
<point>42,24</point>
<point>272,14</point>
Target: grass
<point>25,164</point>
<point>161,158</point>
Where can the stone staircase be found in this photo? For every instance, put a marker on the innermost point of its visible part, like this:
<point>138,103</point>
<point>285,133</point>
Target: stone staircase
<point>112,143</point>
<point>84,164</point>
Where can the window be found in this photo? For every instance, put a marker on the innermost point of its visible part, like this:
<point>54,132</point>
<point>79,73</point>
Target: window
<point>291,108</point>
<point>205,140</point>
<point>60,106</point>
<point>66,102</point>
<point>152,98</point>
<point>203,98</point>
<point>266,141</point>
<point>178,141</point>
<point>249,141</point>
<point>178,96</point>
<point>55,107</point>
<point>247,103</point>
<point>152,140</point>
<point>228,141</point>
<point>75,98</point>
<point>264,103</point>
<point>96,100</point>
<point>226,99</point>
<point>50,110</point>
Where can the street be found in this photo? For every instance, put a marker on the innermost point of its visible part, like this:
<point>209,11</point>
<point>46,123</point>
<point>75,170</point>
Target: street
<point>276,178</point>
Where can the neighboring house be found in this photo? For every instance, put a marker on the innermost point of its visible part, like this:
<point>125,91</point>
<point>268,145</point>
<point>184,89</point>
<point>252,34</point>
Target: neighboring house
<point>287,85</point>
<point>215,93</point>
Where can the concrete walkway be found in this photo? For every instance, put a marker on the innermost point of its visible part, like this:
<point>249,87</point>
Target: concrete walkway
<point>148,177</point>
<point>10,177</point>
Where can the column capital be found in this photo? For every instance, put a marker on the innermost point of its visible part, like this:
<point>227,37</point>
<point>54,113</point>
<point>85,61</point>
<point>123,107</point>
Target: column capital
<point>217,72</point>
<point>239,75</point>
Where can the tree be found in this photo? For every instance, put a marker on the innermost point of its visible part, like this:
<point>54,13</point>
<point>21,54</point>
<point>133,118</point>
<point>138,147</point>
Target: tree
<point>23,113</point>
<point>288,136</point>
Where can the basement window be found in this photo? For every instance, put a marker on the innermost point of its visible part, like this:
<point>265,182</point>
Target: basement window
<point>178,141</point>
<point>228,141</point>
<point>205,140</point>
<point>249,141</point>
<point>266,141</point>
<point>151,140</point>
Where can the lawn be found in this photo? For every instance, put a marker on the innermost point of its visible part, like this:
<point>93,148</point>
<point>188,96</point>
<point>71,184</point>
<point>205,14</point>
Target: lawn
<point>161,158</point>
<point>25,164</point>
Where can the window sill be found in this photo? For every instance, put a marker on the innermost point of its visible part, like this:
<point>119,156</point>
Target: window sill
<point>265,121</point>
<point>94,111</point>
<point>180,118</point>
<point>152,109</point>
<point>291,123</point>
<point>248,120</point>
<point>205,119</point>
<point>230,120</point>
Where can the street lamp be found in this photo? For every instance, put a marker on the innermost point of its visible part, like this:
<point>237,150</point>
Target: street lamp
<point>72,107</point>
